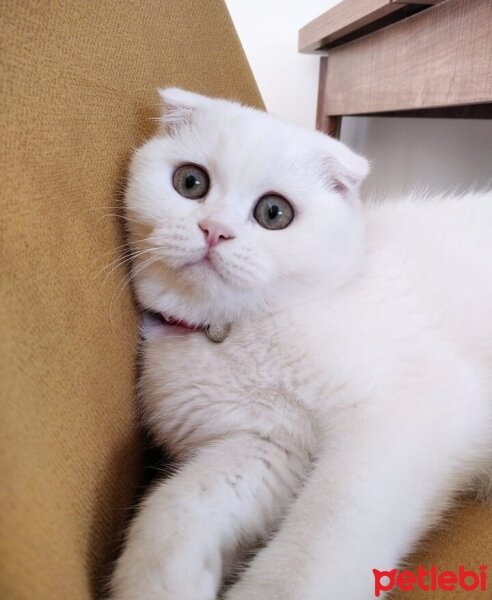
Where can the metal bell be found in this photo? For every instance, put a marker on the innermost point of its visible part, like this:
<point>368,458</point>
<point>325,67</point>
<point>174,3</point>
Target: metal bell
<point>218,333</point>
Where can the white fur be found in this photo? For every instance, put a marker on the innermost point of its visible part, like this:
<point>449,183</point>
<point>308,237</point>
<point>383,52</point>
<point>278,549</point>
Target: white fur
<point>353,397</point>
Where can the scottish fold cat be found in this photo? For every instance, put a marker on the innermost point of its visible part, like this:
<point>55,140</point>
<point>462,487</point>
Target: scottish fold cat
<point>322,369</point>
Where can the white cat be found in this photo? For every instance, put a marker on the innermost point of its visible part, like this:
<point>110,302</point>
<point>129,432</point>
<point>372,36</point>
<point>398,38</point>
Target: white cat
<point>352,396</point>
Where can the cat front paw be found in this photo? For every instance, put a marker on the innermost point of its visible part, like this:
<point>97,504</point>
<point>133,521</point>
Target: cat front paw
<point>164,578</point>
<point>157,588</point>
<point>251,590</point>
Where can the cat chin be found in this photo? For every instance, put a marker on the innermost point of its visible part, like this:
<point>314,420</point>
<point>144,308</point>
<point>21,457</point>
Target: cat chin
<point>199,298</point>
<point>206,276</point>
<point>200,294</point>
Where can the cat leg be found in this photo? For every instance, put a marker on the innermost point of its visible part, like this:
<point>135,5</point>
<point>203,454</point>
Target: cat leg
<point>379,484</point>
<point>230,492</point>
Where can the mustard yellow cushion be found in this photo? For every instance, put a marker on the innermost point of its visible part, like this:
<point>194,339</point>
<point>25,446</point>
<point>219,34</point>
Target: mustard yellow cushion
<point>78,93</point>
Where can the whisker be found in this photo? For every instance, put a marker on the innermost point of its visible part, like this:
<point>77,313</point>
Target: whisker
<point>127,258</point>
<point>119,291</point>
<point>133,272</point>
<point>124,257</point>
<point>125,245</point>
<point>124,217</point>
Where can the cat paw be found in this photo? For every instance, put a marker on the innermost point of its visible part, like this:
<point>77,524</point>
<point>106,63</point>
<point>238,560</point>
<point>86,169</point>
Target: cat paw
<point>163,590</point>
<point>168,579</point>
<point>260,591</point>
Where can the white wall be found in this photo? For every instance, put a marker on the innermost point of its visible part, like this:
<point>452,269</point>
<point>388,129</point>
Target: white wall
<point>268,31</point>
<point>435,154</point>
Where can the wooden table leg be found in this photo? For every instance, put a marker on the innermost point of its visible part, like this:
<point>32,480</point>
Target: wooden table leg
<point>329,124</point>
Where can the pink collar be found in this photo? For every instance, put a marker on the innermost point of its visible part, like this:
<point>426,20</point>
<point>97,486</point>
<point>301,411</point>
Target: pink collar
<point>178,323</point>
<point>215,334</point>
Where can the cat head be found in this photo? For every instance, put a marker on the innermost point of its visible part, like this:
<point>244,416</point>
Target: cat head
<point>230,211</point>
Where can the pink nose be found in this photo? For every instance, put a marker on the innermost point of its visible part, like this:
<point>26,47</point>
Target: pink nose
<point>215,232</point>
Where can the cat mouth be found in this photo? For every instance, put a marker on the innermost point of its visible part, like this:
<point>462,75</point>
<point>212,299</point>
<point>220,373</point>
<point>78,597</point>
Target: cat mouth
<point>208,262</point>
<point>205,269</point>
<point>206,265</point>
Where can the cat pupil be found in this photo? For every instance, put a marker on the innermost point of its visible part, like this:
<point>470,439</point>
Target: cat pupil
<point>273,211</point>
<point>190,182</point>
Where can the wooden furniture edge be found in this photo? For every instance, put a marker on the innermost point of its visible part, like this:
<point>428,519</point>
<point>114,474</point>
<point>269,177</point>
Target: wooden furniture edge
<point>329,124</point>
<point>348,17</point>
<point>371,74</point>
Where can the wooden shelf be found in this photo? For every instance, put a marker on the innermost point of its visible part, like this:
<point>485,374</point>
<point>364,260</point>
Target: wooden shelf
<point>436,62</point>
<point>354,17</point>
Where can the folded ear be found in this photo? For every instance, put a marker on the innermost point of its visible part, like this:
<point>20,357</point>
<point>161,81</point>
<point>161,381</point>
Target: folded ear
<point>178,108</point>
<point>346,170</point>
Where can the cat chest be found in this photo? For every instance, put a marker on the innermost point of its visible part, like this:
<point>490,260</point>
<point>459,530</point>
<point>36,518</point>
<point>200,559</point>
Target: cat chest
<point>259,375</point>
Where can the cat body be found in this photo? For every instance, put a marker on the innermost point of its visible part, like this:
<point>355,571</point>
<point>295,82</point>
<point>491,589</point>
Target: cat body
<point>352,398</point>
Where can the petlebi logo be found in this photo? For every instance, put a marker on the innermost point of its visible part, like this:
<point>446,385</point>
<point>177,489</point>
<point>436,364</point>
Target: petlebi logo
<point>430,580</point>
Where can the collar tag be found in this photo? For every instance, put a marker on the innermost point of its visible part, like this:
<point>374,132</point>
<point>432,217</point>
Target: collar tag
<point>217,333</point>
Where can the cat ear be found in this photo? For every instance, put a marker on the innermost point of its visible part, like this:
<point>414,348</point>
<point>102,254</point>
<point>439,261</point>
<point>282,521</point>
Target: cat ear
<point>178,108</point>
<point>346,170</point>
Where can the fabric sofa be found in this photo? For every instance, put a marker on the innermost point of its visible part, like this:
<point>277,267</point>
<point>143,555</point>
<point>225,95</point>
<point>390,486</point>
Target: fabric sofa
<point>79,86</point>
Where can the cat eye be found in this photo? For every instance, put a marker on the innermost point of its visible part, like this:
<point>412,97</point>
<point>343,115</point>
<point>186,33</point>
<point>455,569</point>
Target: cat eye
<point>191,181</point>
<point>273,212</point>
